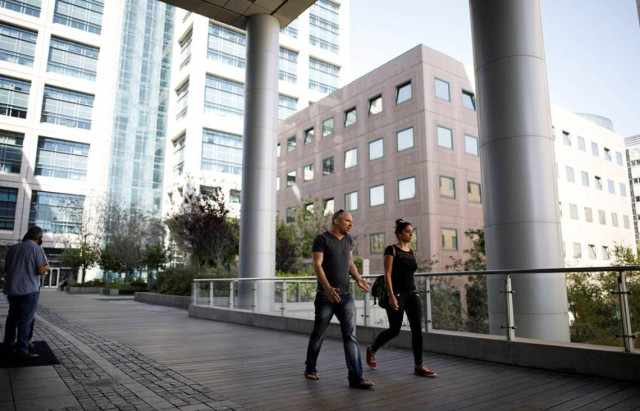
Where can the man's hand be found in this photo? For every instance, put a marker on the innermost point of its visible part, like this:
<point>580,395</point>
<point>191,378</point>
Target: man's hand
<point>363,284</point>
<point>333,294</point>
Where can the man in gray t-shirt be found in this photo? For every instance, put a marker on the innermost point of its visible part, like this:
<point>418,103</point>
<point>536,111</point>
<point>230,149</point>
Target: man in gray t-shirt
<point>25,262</point>
<point>333,263</point>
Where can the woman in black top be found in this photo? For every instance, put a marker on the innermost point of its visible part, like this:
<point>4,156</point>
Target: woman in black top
<point>399,266</point>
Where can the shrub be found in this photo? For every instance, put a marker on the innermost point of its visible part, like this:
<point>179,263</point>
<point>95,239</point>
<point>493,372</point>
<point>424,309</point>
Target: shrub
<point>91,283</point>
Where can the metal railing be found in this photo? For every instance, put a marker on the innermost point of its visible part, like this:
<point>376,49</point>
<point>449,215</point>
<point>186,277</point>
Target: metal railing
<point>293,295</point>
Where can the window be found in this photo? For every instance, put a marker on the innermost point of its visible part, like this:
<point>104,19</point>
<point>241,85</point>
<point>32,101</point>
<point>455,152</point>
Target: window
<point>611,186</point>
<point>594,149</point>
<point>28,7</point>
<point>376,149</point>
<point>375,105</point>
<point>592,251</point>
<point>62,159</point>
<point>351,201</point>
<point>474,191</point>
<point>223,97</point>
<point>570,175</point>
<point>607,154</point>
<point>72,59</point>
<point>288,66</point>
<point>14,97</point>
<point>577,250</point>
<point>403,92</point>
<point>623,190</point>
<point>407,188</point>
<point>221,152</point>
<point>278,183</point>
<point>405,139</point>
<point>442,89</point>
<point>67,108</point>
<point>235,196</point>
<point>309,136</point>
<point>471,145</point>
<point>626,222</point>
<point>10,151</point>
<point>17,45</point>
<point>449,239</point>
<point>307,172</point>
<point>351,158</point>
<point>182,94</point>
<point>286,106</point>
<point>588,215</point>
<point>598,181</point>
<point>573,211</point>
<point>614,219</point>
<point>376,195</point>
<point>582,145</point>
<point>178,155</point>
<point>324,25</point>
<point>290,215</point>
<point>327,127</point>
<point>328,206</point>
<point>291,178</point>
<point>8,201</point>
<point>323,77</point>
<point>327,166</point>
<point>619,158</point>
<point>291,30</point>
<point>447,187</point>
<point>445,137</point>
<point>566,138</point>
<point>56,212</point>
<point>468,100</point>
<point>80,14</point>
<point>350,117</point>
<point>602,216</point>
<point>377,243</point>
<point>585,178</point>
<point>291,144</point>
<point>185,48</point>
<point>605,253</point>
<point>226,45</point>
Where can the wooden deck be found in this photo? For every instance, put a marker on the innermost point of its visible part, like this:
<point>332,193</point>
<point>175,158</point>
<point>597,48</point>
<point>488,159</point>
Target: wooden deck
<point>262,369</point>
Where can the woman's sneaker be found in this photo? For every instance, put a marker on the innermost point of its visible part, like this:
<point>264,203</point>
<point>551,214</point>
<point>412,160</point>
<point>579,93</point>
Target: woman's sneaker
<point>371,358</point>
<point>423,371</point>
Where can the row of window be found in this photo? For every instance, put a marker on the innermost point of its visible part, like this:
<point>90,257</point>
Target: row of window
<point>598,182</point>
<point>602,216</point>
<point>59,106</point>
<point>591,250</point>
<point>567,140</point>
<point>54,212</point>
<point>84,15</point>
<point>54,158</point>
<point>221,153</point>
<point>448,240</point>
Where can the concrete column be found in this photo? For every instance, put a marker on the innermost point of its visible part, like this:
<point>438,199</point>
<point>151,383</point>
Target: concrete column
<point>522,221</point>
<point>258,211</point>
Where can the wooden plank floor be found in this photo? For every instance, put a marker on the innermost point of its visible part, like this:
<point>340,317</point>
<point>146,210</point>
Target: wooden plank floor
<point>262,369</point>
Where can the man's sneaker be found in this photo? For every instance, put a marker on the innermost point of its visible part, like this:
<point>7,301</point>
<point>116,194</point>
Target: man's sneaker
<point>27,356</point>
<point>371,358</point>
<point>423,371</point>
<point>31,347</point>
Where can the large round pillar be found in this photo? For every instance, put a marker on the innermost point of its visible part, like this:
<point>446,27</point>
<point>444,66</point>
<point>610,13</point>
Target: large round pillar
<point>522,221</point>
<point>258,211</point>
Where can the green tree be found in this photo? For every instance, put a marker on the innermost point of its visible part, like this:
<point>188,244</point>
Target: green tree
<point>81,258</point>
<point>288,249</point>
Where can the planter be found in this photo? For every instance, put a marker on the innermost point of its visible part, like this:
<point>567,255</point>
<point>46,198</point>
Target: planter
<point>83,290</point>
<point>178,301</point>
<point>115,291</point>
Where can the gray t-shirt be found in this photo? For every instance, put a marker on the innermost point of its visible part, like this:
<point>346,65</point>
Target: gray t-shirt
<point>335,259</point>
<point>20,268</point>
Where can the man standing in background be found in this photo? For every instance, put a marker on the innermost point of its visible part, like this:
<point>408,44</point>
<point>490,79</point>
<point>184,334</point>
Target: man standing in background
<point>25,262</point>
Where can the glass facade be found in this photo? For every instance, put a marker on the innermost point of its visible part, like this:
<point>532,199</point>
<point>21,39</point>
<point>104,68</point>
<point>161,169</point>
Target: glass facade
<point>56,212</point>
<point>72,59</point>
<point>14,97</point>
<point>8,201</point>
<point>67,108</point>
<point>62,159</point>
<point>28,7</point>
<point>324,25</point>
<point>17,45</point>
<point>221,152</point>
<point>288,66</point>
<point>286,106</point>
<point>10,151</point>
<point>227,46</point>
<point>323,77</point>
<point>80,14</point>
<point>223,97</point>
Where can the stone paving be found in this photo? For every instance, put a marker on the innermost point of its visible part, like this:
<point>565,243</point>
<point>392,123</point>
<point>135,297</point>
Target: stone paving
<point>106,375</point>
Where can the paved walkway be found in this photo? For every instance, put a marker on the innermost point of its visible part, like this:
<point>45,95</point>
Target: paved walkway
<point>119,355</point>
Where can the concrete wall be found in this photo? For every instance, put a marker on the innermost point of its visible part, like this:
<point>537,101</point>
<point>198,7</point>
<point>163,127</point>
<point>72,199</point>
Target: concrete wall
<point>598,361</point>
<point>177,301</point>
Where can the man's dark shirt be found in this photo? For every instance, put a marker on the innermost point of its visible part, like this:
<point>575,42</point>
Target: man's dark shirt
<point>335,260</point>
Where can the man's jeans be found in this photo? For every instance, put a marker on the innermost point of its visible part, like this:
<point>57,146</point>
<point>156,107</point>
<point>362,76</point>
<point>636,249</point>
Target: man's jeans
<point>345,311</point>
<point>22,309</point>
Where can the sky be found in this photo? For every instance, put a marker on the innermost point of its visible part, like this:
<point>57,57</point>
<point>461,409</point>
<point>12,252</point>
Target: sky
<point>592,47</point>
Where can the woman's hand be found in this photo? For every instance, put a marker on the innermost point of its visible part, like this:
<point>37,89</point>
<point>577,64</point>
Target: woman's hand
<point>393,302</point>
